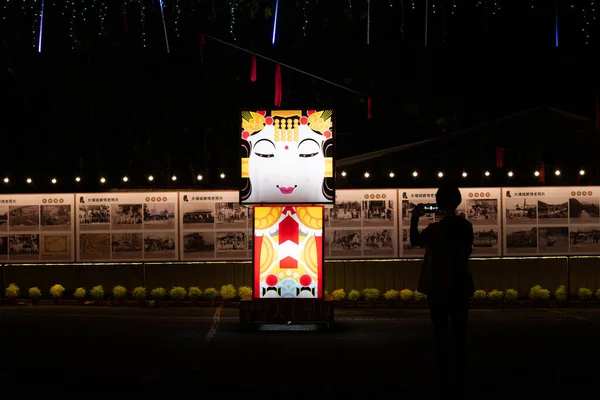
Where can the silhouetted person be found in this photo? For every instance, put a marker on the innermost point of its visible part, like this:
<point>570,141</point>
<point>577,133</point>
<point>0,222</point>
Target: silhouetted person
<point>447,281</point>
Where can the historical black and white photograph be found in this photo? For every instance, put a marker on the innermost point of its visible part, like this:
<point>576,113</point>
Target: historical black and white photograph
<point>127,246</point>
<point>409,205</point>
<point>346,243</point>
<point>486,242</point>
<point>231,244</point>
<point>23,247</point>
<point>553,240</point>
<point>24,218</point>
<point>159,245</point>
<point>125,217</point>
<point>346,213</point>
<point>584,240</point>
<point>159,216</point>
<point>4,247</point>
<point>482,211</point>
<point>56,247</point>
<point>94,217</point>
<point>553,210</point>
<point>520,211</point>
<point>199,245</point>
<point>584,210</point>
<point>521,240</point>
<point>3,218</point>
<point>198,215</point>
<point>94,246</point>
<point>378,242</point>
<point>378,212</point>
<point>407,248</point>
<point>231,215</point>
<point>55,217</point>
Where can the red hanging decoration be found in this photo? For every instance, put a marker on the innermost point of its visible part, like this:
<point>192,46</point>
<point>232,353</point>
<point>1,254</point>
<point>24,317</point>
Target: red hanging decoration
<point>542,178</point>
<point>202,42</point>
<point>253,69</point>
<point>124,15</point>
<point>499,157</point>
<point>369,108</point>
<point>278,88</point>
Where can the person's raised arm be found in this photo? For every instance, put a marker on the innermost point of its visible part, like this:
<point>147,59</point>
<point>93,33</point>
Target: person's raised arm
<point>417,238</point>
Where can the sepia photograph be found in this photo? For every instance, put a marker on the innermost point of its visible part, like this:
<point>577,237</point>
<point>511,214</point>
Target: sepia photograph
<point>583,210</point>
<point>23,247</point>
<point>126,217</point>
<point>485,242</point>
<point>230,245</point>
<point>94,246</point>
<point>584,240</point>
<point>378,243</point>
<point>408,249</point>
<point>55,217</point>
<point>199,245</point>
<point>3,218</point>
<point>520,211</point>
<point>198,215</point>
<point>553,240</point>
<point>521,240</point>
<point>482,212</point>
<point>159,245</point>
<point>346,213</point>
<point>378,212</point>
<point>553,211</point>
<point>24,218</point>
<point>409,205</point>
<point>346,243</point>
<point>231,215</point>
<point>94,217</point>
<point>3,247</point>
<point>56,247</point>
<point>126,246</point>
<point>159,216</point>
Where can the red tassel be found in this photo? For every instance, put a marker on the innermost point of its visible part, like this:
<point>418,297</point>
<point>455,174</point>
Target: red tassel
<point>542,178</point>
<point>499,157</point>
<point>202,42</point>
<point>124,15</point>
<point>278,85</point>
<point>253,69</point>
<point>369,108</point>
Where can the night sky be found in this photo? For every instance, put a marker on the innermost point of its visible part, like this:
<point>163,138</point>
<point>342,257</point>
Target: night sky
<point>100,100</point>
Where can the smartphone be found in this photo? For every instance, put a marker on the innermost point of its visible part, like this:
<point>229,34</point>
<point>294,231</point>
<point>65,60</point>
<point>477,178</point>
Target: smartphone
<point>430,207</point>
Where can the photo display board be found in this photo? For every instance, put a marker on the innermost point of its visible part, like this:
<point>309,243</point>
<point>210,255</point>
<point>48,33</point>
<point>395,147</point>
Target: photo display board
<point>287,157</point>
<point>127,226</point>
<point>362,224</point>
<point>37,228</point>
<point>214,226</point>
<point>288,251</point>
<point>551,220</point>
<point>479,205</point>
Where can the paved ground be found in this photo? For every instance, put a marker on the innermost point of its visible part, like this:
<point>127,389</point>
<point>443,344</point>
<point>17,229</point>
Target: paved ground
<point>203,352</point>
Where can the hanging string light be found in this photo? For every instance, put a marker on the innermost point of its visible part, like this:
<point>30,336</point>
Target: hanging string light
<point>453,7</point>
<point>177,13</point>
<point>433,6</point>
<point>586,25</point>
<point>232,21</point>
<point>401,18</point>
<point>412,4</point>
<point>304,7</point>
<point>34,22</point>
<point>72,25</point>
<point>103,16</point>
<point>6,3</point>
<point>143,22</point>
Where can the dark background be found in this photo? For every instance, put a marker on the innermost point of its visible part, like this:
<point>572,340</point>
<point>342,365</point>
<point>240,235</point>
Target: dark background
<point>100,101</point>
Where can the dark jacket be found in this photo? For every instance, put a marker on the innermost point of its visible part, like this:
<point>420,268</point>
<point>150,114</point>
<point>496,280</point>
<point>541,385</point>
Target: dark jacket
<point>449,244</point>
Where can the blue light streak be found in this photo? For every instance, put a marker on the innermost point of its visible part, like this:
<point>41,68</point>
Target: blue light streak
<point>275,22</point>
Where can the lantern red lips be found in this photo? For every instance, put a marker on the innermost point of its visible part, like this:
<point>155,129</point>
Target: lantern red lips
<point>286,190</point>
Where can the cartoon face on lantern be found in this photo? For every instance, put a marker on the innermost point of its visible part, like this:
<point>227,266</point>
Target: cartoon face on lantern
<point>288,157</point>
<point>288,251</point>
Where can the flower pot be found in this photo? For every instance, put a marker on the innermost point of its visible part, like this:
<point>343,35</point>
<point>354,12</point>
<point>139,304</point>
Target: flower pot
<point>57,300</point>
<point>81,300</point>
<point>12,301</point>
<point>35,301</point>
<point>211,302</point>
<point>157,302</point>
<point>194,302</point>
<point>227,303</point>
<point>177,302</point>
<point>141,302</point>
<point>404,303</point>
<point>120,302</point>
<point>371,303</point>
<point>353,304</point>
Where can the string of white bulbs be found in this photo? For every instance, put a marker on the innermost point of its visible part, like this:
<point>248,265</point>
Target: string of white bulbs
<point>464,174</point>
<point>103,179</point>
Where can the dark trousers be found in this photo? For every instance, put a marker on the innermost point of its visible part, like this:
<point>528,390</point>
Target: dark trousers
<point>449,317</point>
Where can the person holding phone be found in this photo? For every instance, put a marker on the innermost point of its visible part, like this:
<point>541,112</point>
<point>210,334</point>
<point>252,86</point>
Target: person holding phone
<point>447,281</point>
